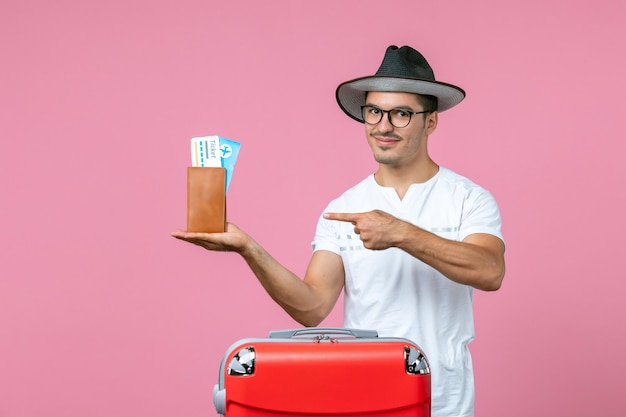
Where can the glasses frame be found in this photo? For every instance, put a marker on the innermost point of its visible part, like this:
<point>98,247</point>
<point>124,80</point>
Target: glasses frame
<point>382,113</point>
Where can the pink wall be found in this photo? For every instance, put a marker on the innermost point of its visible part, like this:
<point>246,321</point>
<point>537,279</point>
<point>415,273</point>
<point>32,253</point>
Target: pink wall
<point>102,313</point>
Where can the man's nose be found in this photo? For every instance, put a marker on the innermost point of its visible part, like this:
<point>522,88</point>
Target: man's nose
<point>385,125</point>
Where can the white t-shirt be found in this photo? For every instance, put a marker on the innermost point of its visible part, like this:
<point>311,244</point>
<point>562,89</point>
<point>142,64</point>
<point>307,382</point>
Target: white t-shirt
<point>398,295</point>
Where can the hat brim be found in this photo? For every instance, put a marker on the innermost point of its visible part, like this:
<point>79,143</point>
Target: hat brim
<point>351,94</point>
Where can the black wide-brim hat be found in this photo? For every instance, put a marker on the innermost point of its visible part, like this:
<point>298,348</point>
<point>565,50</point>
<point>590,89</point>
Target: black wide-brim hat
<point>403,70</point>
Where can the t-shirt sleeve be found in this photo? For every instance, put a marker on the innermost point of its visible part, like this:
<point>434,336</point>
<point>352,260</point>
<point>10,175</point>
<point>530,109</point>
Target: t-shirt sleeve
<point>326,234</point>
<point>481,214</point>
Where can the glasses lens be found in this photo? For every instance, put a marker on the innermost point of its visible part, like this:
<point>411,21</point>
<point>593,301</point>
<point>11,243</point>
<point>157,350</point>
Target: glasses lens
<point>371,115</point>
<point>399,118</point>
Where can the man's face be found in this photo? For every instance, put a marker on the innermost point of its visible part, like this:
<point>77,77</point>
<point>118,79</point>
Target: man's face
<point>399,146</point>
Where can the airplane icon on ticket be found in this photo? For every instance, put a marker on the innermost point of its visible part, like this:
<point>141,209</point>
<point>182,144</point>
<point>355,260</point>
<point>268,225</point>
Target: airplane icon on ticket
<point>226,150</point>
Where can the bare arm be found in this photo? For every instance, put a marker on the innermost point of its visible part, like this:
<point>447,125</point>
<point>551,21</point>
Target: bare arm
<point>308,300</point>
<point>477,261</point>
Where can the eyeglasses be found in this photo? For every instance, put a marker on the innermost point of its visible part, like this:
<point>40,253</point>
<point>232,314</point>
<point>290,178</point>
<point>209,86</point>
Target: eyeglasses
<point>399,118</point>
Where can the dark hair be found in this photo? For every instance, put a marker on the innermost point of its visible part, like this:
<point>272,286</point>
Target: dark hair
<point>429,103</point>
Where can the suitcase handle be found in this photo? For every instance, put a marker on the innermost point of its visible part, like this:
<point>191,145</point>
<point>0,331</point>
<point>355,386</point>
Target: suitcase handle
<point>321,332</point>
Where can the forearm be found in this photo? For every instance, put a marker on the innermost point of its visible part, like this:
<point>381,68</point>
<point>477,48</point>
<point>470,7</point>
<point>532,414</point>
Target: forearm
<point>294,295</point>
<point>307,300</point>
<point>478,265</point>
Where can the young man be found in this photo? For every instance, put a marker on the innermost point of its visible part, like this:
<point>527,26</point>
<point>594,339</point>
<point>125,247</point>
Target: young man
<point>407,245</point>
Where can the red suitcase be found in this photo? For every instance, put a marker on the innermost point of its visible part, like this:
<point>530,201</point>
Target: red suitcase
<point>323,372</point>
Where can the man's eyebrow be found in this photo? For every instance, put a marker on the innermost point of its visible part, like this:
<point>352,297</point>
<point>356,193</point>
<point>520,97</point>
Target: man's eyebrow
<point>407,108</point>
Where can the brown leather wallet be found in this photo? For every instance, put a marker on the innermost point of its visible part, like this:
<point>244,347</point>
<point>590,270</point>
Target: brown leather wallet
<point>206,199</point>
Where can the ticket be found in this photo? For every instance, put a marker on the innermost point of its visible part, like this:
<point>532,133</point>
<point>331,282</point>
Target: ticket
<point>215,151</point>
<point>205,152</point>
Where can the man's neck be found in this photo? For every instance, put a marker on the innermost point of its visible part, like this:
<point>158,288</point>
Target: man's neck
<point>401,178</point>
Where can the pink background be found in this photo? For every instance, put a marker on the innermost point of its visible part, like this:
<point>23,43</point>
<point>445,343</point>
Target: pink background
<point>102,313</point>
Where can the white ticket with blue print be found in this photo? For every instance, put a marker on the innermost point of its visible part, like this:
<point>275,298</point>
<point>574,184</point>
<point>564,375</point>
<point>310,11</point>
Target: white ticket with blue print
<point>215,151</point>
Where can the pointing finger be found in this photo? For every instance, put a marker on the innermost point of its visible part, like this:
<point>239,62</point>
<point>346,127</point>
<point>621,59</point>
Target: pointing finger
<point>342,217</point>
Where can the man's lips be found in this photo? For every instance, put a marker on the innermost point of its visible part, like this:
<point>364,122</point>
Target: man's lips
<point>386,140</point>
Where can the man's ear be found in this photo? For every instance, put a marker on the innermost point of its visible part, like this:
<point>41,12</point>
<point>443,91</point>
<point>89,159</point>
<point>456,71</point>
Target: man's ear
<point>431,122</point>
